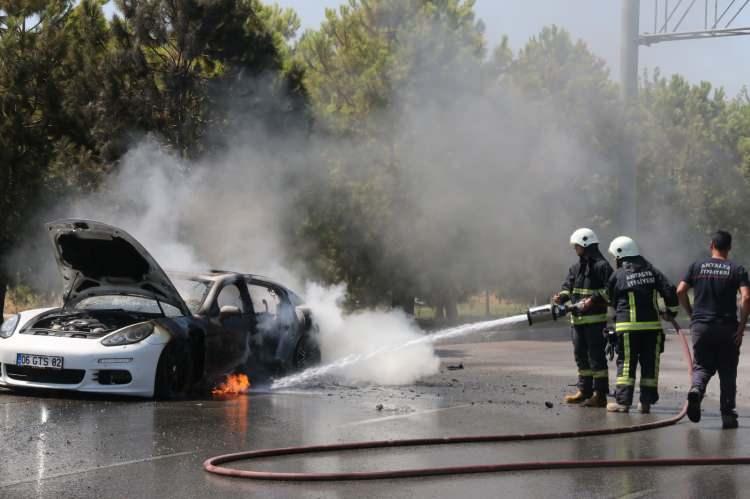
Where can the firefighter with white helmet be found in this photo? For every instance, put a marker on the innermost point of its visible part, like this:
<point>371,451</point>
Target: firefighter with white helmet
<point>585,286</point>
<point>632,290</point>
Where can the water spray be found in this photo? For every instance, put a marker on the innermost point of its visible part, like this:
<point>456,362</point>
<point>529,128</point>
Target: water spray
<point>534,315</point>
<point>451,333</point>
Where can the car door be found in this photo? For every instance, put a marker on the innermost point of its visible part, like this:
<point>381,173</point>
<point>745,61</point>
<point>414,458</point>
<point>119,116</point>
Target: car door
<point>236,320</point>
<point>266,303</point>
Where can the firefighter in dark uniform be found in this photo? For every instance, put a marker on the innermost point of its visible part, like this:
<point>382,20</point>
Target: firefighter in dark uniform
<point>716,332</point>
<point>633,291</point>
<point>585,287</point>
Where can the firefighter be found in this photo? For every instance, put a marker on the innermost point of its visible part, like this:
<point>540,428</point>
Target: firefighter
<point>633,290</point>
<point>585,287</point>
<point>716,332</point>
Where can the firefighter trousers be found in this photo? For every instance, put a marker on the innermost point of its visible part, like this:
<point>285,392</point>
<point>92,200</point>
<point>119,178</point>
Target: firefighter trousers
<point>714,350</point>
<point>633,348</point>
<point>588,350</point>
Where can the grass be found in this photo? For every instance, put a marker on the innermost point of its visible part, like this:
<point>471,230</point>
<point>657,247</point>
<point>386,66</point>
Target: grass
<point>476,306</point>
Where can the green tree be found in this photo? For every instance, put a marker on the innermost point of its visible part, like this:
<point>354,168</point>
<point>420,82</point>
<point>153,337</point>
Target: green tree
<point>691,164</point>
<point>49,53</point>
<point>186,70</point>
<point>368,63</point>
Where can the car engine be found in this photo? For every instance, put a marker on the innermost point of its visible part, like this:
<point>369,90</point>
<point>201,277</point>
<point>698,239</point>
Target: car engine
<point>84,324</point>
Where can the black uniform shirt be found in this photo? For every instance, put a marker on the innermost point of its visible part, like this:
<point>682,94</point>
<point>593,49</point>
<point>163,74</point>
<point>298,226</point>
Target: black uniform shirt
<point>715,283</point>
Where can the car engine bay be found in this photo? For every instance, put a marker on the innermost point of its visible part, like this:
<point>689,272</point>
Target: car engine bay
<point>83,324</point>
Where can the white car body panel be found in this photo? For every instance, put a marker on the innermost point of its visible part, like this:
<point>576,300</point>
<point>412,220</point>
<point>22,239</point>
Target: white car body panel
<point>88,355</point>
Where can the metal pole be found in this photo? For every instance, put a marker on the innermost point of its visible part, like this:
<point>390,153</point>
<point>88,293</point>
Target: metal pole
<point>628,178</point>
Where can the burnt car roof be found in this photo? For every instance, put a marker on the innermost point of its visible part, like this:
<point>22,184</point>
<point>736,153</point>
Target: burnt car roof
<point>218,275</point>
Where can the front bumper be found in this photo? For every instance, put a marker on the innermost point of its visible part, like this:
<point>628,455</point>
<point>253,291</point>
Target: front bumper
<point>88,366</point>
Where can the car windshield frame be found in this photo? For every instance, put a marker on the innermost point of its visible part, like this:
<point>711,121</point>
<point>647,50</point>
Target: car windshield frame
<point>194,301</point>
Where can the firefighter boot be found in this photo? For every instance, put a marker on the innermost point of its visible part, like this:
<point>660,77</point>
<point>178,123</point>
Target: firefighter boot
<point>576,398</point>
<point>729,420</point>
<point>694,404</point>
<point>644,407</point>
<point>617,407</point>
<point>598,399</point>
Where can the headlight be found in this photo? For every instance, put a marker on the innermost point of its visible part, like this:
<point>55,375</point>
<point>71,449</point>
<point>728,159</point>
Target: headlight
<point>6,330</point>
<point>129,335</point>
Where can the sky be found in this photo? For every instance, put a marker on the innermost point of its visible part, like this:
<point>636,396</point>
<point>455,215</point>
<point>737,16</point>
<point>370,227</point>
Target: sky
<point>719,61</point>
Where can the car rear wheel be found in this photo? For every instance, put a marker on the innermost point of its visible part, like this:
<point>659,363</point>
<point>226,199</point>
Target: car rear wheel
<point>174,372</point>
<point>307,353</point>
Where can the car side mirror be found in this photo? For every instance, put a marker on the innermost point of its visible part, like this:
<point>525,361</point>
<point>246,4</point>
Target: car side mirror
<point>228,311</point>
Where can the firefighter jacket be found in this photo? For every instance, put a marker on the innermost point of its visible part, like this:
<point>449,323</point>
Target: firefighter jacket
<point>633,291</point>
<point>588,278</point>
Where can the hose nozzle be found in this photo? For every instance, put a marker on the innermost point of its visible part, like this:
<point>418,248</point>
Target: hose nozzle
<point>546,313</point>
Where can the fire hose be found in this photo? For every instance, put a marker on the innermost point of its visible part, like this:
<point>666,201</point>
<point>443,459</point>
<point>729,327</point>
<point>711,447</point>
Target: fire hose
<point>214,464</point>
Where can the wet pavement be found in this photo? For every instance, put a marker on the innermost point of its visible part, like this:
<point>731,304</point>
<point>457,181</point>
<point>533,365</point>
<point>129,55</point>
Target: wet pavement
<point>64,445</point>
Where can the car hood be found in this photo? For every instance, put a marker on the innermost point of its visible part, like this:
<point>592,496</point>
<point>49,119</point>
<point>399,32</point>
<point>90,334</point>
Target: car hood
<point>97,259</point>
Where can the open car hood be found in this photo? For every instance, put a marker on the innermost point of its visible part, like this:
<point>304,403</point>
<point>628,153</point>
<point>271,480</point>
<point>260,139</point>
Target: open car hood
<point>97,259</point>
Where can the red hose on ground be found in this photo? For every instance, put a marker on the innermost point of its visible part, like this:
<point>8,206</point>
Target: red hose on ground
<point>212,465</point>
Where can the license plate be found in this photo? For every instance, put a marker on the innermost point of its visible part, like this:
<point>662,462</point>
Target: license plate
<point>39,361</point>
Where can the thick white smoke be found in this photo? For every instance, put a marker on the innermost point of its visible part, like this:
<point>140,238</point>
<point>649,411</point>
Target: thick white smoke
<point>364,332</point>
<point>225,215</point>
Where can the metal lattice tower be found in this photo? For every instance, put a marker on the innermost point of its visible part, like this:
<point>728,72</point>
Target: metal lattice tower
<point>673,21</point>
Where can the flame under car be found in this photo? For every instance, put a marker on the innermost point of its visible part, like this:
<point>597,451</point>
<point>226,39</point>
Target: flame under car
<point>128,327</point>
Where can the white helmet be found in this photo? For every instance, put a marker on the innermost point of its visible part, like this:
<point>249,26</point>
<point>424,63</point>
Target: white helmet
<point>623,246</point>
<point>583,237</point>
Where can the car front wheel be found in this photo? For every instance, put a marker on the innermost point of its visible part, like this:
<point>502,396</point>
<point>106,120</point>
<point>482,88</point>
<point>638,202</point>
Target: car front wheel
<point>174,372</point>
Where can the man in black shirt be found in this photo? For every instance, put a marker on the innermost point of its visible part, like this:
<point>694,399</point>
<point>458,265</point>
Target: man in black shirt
<point>717,334</point>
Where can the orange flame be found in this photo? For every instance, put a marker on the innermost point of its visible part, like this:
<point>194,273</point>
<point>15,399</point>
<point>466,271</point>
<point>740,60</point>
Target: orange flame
<point>235,384</point>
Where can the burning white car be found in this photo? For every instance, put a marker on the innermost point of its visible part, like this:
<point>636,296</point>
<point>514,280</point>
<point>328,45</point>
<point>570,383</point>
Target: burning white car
<point>127,327</point>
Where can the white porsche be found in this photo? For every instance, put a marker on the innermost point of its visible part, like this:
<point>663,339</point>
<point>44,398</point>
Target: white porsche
<point>124,327</point>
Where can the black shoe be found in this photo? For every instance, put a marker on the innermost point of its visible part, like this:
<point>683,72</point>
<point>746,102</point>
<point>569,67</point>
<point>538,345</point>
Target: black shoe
<point>729,420</point>
<point>694,405</point>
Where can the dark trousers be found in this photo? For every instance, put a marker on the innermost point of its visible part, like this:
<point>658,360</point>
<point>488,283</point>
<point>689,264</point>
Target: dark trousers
<point>588,349</point>
<point>714,350</point>
<point>633,348</point>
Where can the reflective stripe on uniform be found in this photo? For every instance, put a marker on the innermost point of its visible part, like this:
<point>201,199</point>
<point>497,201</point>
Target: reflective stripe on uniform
<point>631,305</point>
<point>603,373</point>
<point>649,382</point>
<point>637,326</point>
<point>625,378</point>
<point>587,319</point>
<point>585,373</point>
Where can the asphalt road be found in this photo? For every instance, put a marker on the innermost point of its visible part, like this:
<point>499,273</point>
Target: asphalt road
<point>64,445</point>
